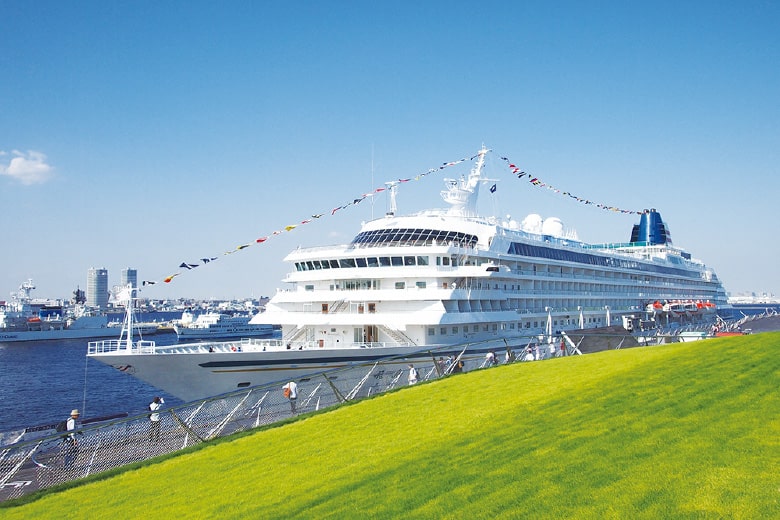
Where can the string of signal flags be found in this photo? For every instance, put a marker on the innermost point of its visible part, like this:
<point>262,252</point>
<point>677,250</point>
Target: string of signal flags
<point>187,266</point>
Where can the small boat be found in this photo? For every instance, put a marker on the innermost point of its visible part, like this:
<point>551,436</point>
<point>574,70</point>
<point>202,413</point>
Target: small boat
<point>142,329</point>
<point>676,308</point>
<point>656,308</point>
<point>706,307</point>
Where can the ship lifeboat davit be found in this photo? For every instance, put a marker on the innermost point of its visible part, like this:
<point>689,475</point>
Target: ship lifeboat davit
<point>676,308</point>
<point>706,307</point>
<point>656,308</point>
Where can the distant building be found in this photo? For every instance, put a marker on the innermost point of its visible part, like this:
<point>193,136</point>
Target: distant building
<point>97,288</point>
<point>129,276</point>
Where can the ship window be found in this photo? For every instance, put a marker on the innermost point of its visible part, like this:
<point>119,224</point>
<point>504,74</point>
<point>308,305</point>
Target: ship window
<point>422,260</point>
<point>309,266</point>
<point>384,261</point>
<point>397,261</point>
<point>421,285</point>
<point>298,266</point>
<point>372,261</point>
<point>334,264</point>
<point>361,262</point>
<point>325,264</point>
<point>400,285</point>
<point>309,287</point>
<point>347,262</point>
<point>495,327</point>
<point>243,385</point>
<point>454,330</point>
<point>445,260</point>
<point>409,260</point>
<point>443,331</point>
<point>431,331</point>
<point>372,307</point>
<point>475,328</point>
<point>324,308</point>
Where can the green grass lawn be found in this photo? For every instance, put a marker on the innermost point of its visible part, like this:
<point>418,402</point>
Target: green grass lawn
<point>678,431</point>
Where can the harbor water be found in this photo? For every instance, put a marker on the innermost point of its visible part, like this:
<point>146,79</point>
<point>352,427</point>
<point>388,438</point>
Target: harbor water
<point>41,382</point>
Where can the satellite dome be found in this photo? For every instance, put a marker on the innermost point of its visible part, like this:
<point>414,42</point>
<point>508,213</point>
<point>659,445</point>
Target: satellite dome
<point>553,226</point>
<point>532,224</point>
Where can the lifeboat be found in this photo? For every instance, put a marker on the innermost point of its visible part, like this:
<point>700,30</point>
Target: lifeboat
<point>656,307</point>
<point>691,308</point>
<point>708,307</point>
<point>34,319</point>
<point>676,308</point>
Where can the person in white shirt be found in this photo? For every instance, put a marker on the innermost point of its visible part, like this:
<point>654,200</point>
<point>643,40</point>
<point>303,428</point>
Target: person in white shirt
<point>291,392</point>
<point>70,444</point>
<point>413,374</point>
<point>154,418</point>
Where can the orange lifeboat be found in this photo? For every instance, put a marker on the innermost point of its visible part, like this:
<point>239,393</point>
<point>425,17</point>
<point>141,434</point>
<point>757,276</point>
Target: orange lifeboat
<point>656,307</point>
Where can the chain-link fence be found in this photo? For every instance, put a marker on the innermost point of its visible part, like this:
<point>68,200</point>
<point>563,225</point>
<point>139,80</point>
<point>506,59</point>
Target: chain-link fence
<point>53,458</point>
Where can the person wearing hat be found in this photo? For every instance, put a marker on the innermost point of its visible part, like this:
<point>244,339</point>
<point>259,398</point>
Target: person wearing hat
<point>71,444</point>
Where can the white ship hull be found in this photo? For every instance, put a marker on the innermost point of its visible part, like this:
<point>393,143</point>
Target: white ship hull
<point>193,372</point>
<point>58,334</point>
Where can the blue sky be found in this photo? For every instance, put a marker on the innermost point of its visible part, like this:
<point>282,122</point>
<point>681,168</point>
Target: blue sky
<point>147,134</point>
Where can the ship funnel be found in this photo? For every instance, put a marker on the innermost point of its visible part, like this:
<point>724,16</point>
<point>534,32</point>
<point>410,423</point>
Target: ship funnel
<point>651,229</point>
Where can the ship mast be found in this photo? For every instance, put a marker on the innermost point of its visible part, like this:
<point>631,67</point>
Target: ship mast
<point>124,296</point>
<point>463,194</point>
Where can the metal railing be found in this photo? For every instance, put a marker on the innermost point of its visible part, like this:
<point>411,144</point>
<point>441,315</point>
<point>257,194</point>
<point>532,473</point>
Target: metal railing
<point>41,459</point>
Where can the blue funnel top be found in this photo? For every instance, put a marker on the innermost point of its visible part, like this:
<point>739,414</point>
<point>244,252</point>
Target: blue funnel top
<point>651,229</point>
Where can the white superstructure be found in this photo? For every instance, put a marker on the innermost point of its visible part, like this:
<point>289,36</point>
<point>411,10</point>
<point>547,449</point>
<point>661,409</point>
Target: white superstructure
<point>440,277</point>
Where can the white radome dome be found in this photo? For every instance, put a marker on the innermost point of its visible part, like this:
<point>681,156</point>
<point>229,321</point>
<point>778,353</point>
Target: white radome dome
<point>553,226</point>
<point>532,224</point>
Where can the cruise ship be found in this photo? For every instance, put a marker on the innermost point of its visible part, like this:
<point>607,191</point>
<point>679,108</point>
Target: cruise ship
<point>407,284</point>
<point>218,325</point>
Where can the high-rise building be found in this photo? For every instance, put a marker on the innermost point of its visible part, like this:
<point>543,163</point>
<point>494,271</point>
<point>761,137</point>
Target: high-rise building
<point>97,288</point>
<point>129,276</point>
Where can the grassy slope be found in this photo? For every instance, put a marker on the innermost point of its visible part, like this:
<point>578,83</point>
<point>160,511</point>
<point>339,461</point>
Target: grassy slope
<point>685,430</point>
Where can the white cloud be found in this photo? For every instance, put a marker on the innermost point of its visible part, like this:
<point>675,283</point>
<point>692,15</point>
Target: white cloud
<point>27,168</point>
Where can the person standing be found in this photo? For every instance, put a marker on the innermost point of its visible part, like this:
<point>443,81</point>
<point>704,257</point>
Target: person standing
<point>154,418</point>
<point>413,374</point>
<point>291,392</point>
<point>70,443</point>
